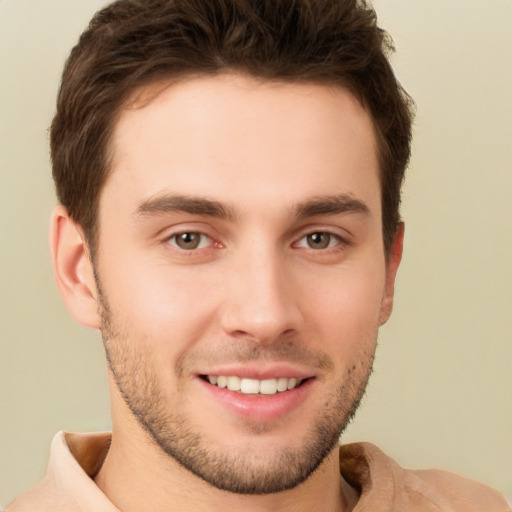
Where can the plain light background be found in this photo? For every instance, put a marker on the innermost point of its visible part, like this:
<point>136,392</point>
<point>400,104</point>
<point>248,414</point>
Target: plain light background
<point>441,392</point>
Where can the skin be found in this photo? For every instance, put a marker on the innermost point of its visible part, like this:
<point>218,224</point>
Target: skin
<point>267,164</point>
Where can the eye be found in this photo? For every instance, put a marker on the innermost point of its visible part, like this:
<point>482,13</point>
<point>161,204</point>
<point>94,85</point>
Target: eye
<point>319,240</point>
<point>190,240</point>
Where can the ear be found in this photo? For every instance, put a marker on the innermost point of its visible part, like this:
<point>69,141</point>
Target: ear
<point>73,269</point>
<point>393,261</point>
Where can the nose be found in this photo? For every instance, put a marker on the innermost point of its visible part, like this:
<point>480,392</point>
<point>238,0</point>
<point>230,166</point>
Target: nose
<point>261,301</point>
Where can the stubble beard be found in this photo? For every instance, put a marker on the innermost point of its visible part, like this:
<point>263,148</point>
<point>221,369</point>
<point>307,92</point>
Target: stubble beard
<point>178,437</point>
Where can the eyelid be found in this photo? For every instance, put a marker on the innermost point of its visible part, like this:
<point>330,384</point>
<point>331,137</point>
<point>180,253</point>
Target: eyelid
<point>340,232</point>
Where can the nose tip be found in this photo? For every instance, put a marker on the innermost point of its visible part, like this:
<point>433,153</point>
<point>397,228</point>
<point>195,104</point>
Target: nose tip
<point>261,306</point>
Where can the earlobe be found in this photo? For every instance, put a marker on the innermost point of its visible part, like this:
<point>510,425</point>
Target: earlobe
<point>73,269</point>
<point>392,264</point>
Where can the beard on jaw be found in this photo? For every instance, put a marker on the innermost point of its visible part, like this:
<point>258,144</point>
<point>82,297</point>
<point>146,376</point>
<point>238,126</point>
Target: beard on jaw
<point>176,435</point>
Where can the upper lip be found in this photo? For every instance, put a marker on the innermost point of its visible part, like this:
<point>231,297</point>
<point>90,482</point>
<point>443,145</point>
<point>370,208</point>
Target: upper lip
<point>260,372</point>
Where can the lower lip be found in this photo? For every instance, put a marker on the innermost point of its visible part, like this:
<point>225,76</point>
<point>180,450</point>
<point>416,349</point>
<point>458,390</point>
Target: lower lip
<point>261,408</point>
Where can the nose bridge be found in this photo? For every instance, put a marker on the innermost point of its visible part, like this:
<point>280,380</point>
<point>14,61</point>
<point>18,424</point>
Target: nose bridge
<point>259,302</point>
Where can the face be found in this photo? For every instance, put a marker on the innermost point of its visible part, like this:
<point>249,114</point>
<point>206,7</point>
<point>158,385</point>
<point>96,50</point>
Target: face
<point>241,274</point>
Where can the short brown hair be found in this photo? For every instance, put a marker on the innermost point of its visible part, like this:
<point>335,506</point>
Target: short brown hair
<point>132,43</point>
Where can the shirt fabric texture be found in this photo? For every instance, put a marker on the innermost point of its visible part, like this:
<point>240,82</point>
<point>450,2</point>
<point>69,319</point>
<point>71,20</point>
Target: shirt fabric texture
<point>382,484</point>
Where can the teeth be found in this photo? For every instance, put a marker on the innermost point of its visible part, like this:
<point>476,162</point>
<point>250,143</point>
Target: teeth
<point>282,384</point>
<point>254,386</point>
<point>250,386</point>
<point>268,387</point>
<point>233,383</point>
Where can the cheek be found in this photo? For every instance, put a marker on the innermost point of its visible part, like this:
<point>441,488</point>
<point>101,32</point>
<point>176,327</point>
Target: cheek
<point>348,295</point>
<point>344,309</point>
<point>165,309</point>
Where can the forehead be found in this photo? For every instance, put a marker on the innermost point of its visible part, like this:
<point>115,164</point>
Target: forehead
<point>232,134</point>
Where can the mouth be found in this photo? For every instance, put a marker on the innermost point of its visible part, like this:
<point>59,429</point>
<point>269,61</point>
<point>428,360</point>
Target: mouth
<point>257,394</point>
<point>248,386</point>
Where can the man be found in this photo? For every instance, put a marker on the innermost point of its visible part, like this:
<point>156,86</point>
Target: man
<point>229,176</point>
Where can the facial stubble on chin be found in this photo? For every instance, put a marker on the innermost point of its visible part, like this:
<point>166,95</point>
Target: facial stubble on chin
<point>178,437</point>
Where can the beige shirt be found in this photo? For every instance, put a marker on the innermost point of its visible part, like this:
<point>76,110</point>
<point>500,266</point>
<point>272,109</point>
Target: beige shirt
<point>383,485</point>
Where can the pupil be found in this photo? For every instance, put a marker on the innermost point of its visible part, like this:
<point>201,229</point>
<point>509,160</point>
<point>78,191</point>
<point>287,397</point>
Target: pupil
<point>188,240</point>
<point>318,240</point>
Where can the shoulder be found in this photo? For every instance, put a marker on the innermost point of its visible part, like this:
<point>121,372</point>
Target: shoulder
<point>382,480</point>
<point>68,485</point>
<point>43,497</point>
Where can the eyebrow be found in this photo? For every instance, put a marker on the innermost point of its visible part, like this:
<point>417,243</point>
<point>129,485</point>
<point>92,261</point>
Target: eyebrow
<point>331,205</point>
<point>172,203</point>
<point>176,203</point>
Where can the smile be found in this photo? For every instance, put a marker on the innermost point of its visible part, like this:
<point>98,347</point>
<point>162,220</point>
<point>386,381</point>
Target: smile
<point>254,386</point>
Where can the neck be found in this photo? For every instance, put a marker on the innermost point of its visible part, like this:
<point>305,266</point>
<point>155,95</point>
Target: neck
<point>128,474</point>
